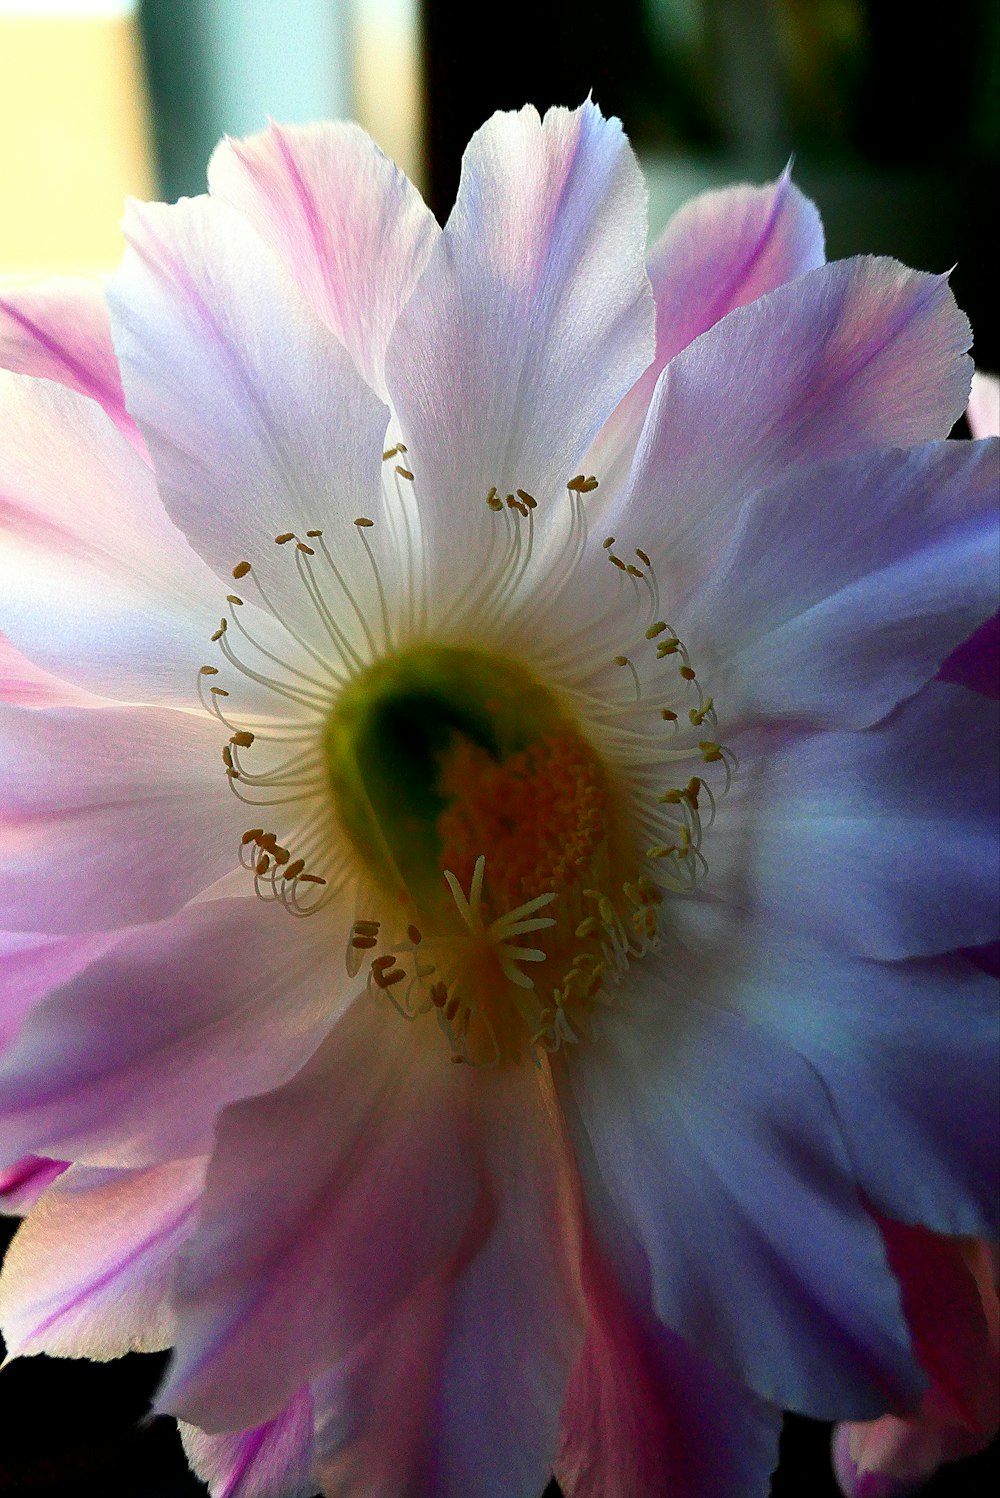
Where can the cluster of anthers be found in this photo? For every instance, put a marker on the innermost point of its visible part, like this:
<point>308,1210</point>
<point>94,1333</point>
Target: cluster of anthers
<point>596,923</point>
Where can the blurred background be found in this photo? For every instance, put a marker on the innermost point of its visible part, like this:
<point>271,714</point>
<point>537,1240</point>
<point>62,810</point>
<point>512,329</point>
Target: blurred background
<point>889,108</point>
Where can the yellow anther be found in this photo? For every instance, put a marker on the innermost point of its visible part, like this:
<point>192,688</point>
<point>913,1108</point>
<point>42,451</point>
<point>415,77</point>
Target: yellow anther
<point>285,537</point>
<point>622,660</point>
<point>576,483</point>
<point>588,927</point>
<point>241,569</point>
<point>643,557</point>
<point>670,798</point>
<point>390,452</point>
<point>218,691</point>
<point>219,632</point>
<point>688,673</point>
<point>668,715</point>
<point>363,522</point>
<point>232,598</point>
<point>227,757</point>
<point>699,714</point>
<point>633,571</point>
<point>314,534</point>
<point>661,850</point>
<point>667,647</point>
<point>711,752</point>
<point>493,499</point>
<point>208,671</point>
<point>242,738</point>
<point>616,562</point>
<point>655,629</point>
<point>529,499</point>
<point>301,546</point>
<point>404,473</point>
<point>608,542</point>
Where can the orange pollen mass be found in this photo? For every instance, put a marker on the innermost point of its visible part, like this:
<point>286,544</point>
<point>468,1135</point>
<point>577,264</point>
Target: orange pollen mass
<point>540,816</point>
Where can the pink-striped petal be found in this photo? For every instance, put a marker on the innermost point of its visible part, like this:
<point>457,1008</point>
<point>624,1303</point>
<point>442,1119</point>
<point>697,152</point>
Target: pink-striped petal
<point>647,1414</point>
<point>225,1000</point>
<point>350,229</point>
<point>59,329</point>
<point>273,1460</point>
<point>256,418</point>
<point>87,1273</point>
<point>531,321</point>
<point>720,251</point>
<point>360,1186</point>
<point>97,586</point>
<point>110,816</point>
<point>22,1183</point>
<point>857,354</point>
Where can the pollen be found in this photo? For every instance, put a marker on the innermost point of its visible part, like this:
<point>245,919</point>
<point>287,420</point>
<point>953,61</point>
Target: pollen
<point>541,815</point>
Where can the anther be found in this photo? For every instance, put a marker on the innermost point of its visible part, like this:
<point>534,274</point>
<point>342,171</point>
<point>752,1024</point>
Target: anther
<point>633,570</point>
<point>668,647</point>
<point>227,757</point>
<point>263,864</point>
<point>414,934</point>
<point>311,879</point>
<point>670,798</point>
<point>621,660</point>
<point>711,752</point>
<point>589,485</point>
<point>218,691</point>
<point>493,499</point>
<point>667,715</point>
<point>252,836</point>
<point>608,542</point>
<point>661,850</point>
<point>284,538</point>
<point>361,943</point>
<point>439,995</point>
<point>294,869</point>
<point>529,499</point>
<point>219,632</point>
<point>617,562</point>
<point>363,522</point>
<point>391,452</point>
<point>241,569</point>
<point>688,673</point>
<point>404,473</point>
<point>242,738</point>
<point>576,484</point>
<point>314,534</point>
<point>655,629</point>
<point>643,557</point>
<point>368,928</point>
<point>301,546</point>
<point>232,598</point>
<point>209,671</point>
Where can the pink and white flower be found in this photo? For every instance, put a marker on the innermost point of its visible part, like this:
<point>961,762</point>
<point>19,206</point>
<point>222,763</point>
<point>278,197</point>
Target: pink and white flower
<point>569,636</point>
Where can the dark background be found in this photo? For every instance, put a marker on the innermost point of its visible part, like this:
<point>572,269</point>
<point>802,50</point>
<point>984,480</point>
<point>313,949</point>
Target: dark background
<point>891,112</point>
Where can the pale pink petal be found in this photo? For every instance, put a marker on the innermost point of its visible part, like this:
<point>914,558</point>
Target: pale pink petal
<point>515,1317</point>
<point>32,964</point>
<point>273,1460</point>
<point>857,354</point>
<point>109,816</point>
<point>97,586</point>
<point>224,1000</point>
<point>531,321</point>
<point>826,834</point>
<point>846,586</point>
<point>720,251</point>
<point>647,1414</point>
<point>695,1126</point>
<point>28,685</point>
<point>87,1273</point>
<point>22,1183</point>
<point>459,1390</point>
<point>984,405</point>
<point>347,225</point>
<point>58,329</point>
<point>257,420</point>
<point>362,1185</point>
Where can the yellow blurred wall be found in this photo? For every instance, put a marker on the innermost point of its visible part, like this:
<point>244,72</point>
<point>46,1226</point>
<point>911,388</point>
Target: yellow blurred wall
<point>74,139</point>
